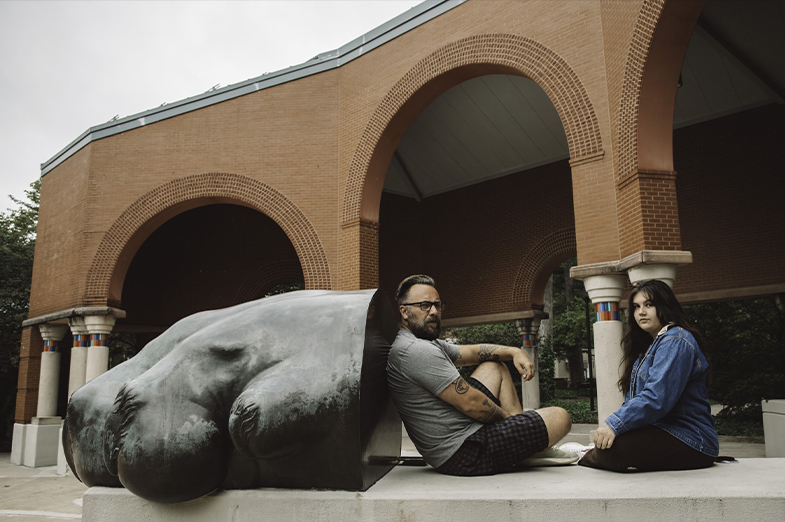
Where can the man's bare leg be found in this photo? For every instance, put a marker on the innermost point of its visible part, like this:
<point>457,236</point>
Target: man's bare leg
<point>496,377</point>
<point>558,422</point>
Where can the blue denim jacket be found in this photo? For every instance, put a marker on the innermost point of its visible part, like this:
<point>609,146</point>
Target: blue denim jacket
<point>668,390</point>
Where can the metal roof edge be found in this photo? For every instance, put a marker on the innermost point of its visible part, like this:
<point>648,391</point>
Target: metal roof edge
<point>388,31</point>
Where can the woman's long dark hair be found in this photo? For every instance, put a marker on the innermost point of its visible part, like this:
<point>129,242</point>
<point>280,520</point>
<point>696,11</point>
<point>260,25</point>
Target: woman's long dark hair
<point>636,341</point>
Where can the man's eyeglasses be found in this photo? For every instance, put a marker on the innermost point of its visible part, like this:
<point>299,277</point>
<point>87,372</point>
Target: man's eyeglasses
<point>425,306</point>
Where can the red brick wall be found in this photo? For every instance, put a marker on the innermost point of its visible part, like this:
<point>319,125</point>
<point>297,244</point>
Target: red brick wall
<point>29,374</point>
<point>731,191</point>
<point>474,240</point>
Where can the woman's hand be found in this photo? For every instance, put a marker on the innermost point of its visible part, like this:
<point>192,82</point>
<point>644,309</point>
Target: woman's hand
<point>604,437</point>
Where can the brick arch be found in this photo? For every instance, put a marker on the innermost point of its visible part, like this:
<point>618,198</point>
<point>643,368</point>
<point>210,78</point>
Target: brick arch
<point>538,264</point>
<point>125,236</point>
<point>467,58</point>
<point>659,42</point>
<point>646,183</point>
<point>259,283</point>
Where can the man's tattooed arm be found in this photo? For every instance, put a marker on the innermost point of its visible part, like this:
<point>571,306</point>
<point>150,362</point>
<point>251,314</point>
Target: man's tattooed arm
<point>472,402</point>
<point>487,352</point>
<point>480,353</point>
<point>461,386</point>
<point>492,412</point>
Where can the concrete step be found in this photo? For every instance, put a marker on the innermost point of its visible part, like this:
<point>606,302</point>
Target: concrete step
<point>753,489</point>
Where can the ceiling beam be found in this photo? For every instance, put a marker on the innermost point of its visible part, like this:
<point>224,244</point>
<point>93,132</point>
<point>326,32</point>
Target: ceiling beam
<point>406,174</point>
<point>742,60</point>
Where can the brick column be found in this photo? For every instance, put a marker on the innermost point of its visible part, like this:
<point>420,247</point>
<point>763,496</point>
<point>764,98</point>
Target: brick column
<point>76,377</point>
<point>99,327</point>
<point>49,379</point>
<point>605,292</point>
<point>530,390</point>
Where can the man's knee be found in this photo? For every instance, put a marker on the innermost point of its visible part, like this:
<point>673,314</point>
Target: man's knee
<point>490,371</point>
<point>492,366</point>
<point>557,420</point>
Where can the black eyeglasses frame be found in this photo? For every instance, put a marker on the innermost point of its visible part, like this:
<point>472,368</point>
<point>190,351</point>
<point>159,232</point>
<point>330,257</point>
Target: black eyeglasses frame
<point>438,304</point>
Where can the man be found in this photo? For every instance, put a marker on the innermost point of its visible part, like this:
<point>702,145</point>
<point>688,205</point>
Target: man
<point>473,426</point>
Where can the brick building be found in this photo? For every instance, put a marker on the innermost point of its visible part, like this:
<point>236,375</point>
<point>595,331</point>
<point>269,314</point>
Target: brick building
<point>481,142</point>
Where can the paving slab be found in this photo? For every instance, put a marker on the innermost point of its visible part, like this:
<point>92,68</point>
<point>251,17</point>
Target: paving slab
<point>38,494</point>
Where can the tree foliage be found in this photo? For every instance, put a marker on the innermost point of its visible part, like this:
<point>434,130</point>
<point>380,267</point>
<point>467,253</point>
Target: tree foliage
<point>17,243</point>
<point>746,350</point>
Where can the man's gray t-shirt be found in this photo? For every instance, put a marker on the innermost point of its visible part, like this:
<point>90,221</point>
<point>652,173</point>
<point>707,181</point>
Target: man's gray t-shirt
<point>418,370</point>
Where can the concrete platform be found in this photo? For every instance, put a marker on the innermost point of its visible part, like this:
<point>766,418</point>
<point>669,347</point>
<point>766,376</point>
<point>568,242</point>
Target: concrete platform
<point>44,495</point>
<point>753,489</point>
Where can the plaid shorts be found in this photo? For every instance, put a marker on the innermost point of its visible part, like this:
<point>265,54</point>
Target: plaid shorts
<point>498,446</point>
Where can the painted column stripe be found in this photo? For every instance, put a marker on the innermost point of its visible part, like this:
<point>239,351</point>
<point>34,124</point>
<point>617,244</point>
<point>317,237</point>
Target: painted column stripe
<point>50,346</point>
<point>608,311</point>
<point>98,339</point>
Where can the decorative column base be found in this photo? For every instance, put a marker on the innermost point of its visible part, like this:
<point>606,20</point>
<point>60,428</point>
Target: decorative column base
<point>37,444</point>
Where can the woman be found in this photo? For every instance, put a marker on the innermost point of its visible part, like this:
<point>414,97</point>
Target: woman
<point>665,422</point>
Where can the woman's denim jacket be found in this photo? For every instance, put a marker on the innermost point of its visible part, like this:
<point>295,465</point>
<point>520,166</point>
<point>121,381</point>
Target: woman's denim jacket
<point>668,390</point>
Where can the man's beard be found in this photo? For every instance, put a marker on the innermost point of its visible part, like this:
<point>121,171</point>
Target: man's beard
<point>422,330</point>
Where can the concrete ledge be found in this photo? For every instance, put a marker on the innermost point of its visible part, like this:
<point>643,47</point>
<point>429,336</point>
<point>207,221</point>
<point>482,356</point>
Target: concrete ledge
<point>620,267</point>
<point>753,489</point>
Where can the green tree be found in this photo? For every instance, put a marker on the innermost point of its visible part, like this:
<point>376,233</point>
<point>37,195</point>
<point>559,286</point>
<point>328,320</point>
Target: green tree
<point>569,337</point>
<point>746,350</point>
<point>17,243</point>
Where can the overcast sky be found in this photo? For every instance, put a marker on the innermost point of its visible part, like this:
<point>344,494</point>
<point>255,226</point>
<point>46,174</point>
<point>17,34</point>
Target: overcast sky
<point>66,66</point>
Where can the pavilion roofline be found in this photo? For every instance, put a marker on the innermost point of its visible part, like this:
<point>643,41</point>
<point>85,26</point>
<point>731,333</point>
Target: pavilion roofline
<point>401,24</point>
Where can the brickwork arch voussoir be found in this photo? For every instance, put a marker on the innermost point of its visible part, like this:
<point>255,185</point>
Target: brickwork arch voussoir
<point>508,51</point>
<point>555,246</point>
<point>642,36</point>
<point>210,187</point>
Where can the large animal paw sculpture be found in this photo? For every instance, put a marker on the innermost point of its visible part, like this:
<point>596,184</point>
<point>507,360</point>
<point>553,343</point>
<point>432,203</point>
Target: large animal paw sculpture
<point>286,391</point>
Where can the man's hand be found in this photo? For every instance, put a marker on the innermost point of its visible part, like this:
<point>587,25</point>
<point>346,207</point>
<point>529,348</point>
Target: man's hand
<point>472,354</point>
<point>524,365</point>
<point>472,402</point>
<point>604,437</point>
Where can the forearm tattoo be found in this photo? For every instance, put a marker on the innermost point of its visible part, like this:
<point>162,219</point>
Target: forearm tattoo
<point>487,353</point>
<point>492,412</point>
<point>461,386</point>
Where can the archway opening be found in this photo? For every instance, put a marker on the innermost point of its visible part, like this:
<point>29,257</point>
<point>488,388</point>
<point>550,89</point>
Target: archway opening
<point>477,181</point>
<point>209,257</point>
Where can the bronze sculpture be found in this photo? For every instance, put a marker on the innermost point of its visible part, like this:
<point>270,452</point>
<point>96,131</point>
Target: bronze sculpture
<point>287,391</point>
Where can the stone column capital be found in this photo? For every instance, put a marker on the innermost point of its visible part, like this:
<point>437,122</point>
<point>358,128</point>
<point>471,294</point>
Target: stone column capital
<point>605,288</point>
<point>99,324</point>
<point>52,332</point>
<point>77,325</point>
<point>529,325</point>
<point>663,272</point>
